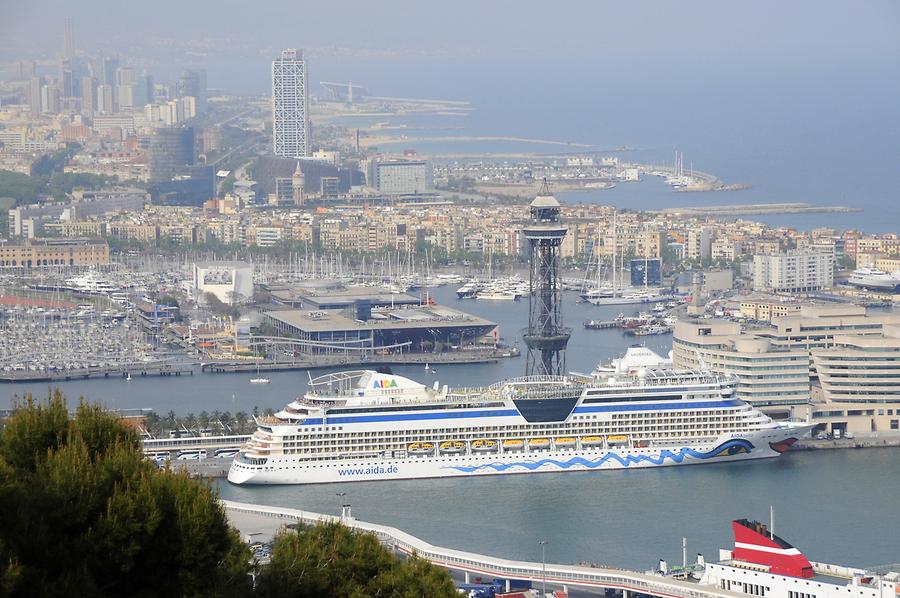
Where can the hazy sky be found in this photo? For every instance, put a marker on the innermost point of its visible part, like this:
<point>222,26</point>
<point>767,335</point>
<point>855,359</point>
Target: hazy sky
<point>661,28</point>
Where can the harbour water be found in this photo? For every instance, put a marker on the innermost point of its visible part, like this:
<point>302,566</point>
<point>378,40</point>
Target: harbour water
<point>839,505</point>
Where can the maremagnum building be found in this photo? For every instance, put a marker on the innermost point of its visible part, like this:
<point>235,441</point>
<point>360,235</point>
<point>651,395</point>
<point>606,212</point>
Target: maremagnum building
<point>838,365</point>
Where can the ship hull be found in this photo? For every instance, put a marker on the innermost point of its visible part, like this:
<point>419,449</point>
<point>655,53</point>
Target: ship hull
<point>760,444</point>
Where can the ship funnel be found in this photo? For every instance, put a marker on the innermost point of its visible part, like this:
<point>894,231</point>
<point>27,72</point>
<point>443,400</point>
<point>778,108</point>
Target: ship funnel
<point>755,543</point>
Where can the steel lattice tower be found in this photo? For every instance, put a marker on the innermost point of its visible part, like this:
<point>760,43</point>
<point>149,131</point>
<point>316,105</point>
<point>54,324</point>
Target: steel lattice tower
<point>545,337</point>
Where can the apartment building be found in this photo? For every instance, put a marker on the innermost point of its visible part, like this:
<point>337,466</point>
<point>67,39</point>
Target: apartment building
<point>794,271</point>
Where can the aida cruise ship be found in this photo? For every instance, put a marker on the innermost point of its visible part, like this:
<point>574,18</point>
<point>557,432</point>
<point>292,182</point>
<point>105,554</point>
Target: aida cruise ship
<point>371,425</point>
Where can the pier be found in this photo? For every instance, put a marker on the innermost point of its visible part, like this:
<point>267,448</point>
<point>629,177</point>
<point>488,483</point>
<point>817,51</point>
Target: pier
<point>113,371</point>
<point>250,519</point>
<point>757,209</point>
<point>358,359</point>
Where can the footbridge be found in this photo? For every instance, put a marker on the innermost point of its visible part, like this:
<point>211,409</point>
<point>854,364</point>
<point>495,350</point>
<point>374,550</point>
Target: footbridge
<point>470,563</point>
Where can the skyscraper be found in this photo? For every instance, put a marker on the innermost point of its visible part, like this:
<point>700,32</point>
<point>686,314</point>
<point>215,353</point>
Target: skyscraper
<point>290,99</point>
<point>34,95</point>
<point>171,151</point>
<point>68,39</point>
<point>193,83</point>
<point>88,95</point>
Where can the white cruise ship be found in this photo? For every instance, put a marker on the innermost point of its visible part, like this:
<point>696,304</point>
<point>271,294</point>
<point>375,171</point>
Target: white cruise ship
<point>368,425</point>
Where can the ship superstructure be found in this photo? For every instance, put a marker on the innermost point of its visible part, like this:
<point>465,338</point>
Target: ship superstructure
<point>764,564</point>
<point>370,425</point>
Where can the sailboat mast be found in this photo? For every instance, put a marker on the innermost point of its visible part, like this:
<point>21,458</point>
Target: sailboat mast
<point>615,248</point>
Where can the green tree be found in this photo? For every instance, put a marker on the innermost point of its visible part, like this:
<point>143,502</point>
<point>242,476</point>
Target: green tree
<point>331,559</point>
<point>82,513</point>
<point>241,418</point>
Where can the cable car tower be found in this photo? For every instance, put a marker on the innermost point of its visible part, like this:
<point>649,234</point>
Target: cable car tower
<point>545,337</point>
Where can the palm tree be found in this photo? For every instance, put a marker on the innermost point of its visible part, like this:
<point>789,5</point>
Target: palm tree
<point>190,421</point>
<point>240,419</point>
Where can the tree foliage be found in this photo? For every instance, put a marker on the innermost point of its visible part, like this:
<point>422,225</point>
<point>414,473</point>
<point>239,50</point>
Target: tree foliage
<point>27,189</point>
<point>82,513</point>
<point>331,559</point>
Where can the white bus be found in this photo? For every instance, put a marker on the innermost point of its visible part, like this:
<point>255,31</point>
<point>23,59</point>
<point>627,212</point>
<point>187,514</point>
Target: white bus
<point>191,454</point>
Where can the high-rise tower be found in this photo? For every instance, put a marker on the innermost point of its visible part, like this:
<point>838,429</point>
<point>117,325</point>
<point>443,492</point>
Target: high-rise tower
<point>290,99</point>
<point>546,338</point>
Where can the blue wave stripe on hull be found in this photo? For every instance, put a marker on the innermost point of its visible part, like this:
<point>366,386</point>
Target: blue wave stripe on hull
<point>732,447</point>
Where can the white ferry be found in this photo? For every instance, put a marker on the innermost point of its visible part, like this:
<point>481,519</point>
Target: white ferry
<point>369,425</point>
<point>765,565</point>
<point>875,280</point>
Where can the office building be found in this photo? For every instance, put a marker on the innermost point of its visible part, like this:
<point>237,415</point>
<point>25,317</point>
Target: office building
<point>88,96</point>
<point>857,388</point>
<point>771,377</point>
<point>192,83</point>
<point>34,95</point>
<point>400,177</point>
<point>823,353</point>
<point>171,151</point>
<point>105,99</point>
<point>108,71</point>
<point>50,99</point>
<point>290,101</point>
<point>143,90</point>
<point>794,271</point>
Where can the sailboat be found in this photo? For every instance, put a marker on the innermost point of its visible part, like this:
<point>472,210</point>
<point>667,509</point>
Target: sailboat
<point>615,296</point>
<point>259,379</point>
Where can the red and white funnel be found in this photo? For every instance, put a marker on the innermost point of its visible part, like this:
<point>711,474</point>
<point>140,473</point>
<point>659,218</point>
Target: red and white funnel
<point>753,543</point>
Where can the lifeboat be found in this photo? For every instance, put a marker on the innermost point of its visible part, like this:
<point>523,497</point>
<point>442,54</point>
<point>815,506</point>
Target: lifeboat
<point>420,448</point>
<point>619,439</point>
<point>484,446</point>
<point>513,444</point>
<point>539,443</point>
<point>591,440</point>
<point>452,447</point>
<point>565,442</point>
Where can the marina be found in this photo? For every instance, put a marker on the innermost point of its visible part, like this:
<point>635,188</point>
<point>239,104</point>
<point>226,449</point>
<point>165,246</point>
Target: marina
<point>76,341</point>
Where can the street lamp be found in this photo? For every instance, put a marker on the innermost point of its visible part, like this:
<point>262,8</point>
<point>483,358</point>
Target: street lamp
<point>341,496</point>
<point>543,544</point>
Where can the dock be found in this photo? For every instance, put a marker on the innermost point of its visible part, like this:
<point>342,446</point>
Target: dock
<point>115,371</point>
<point>310,362</point>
